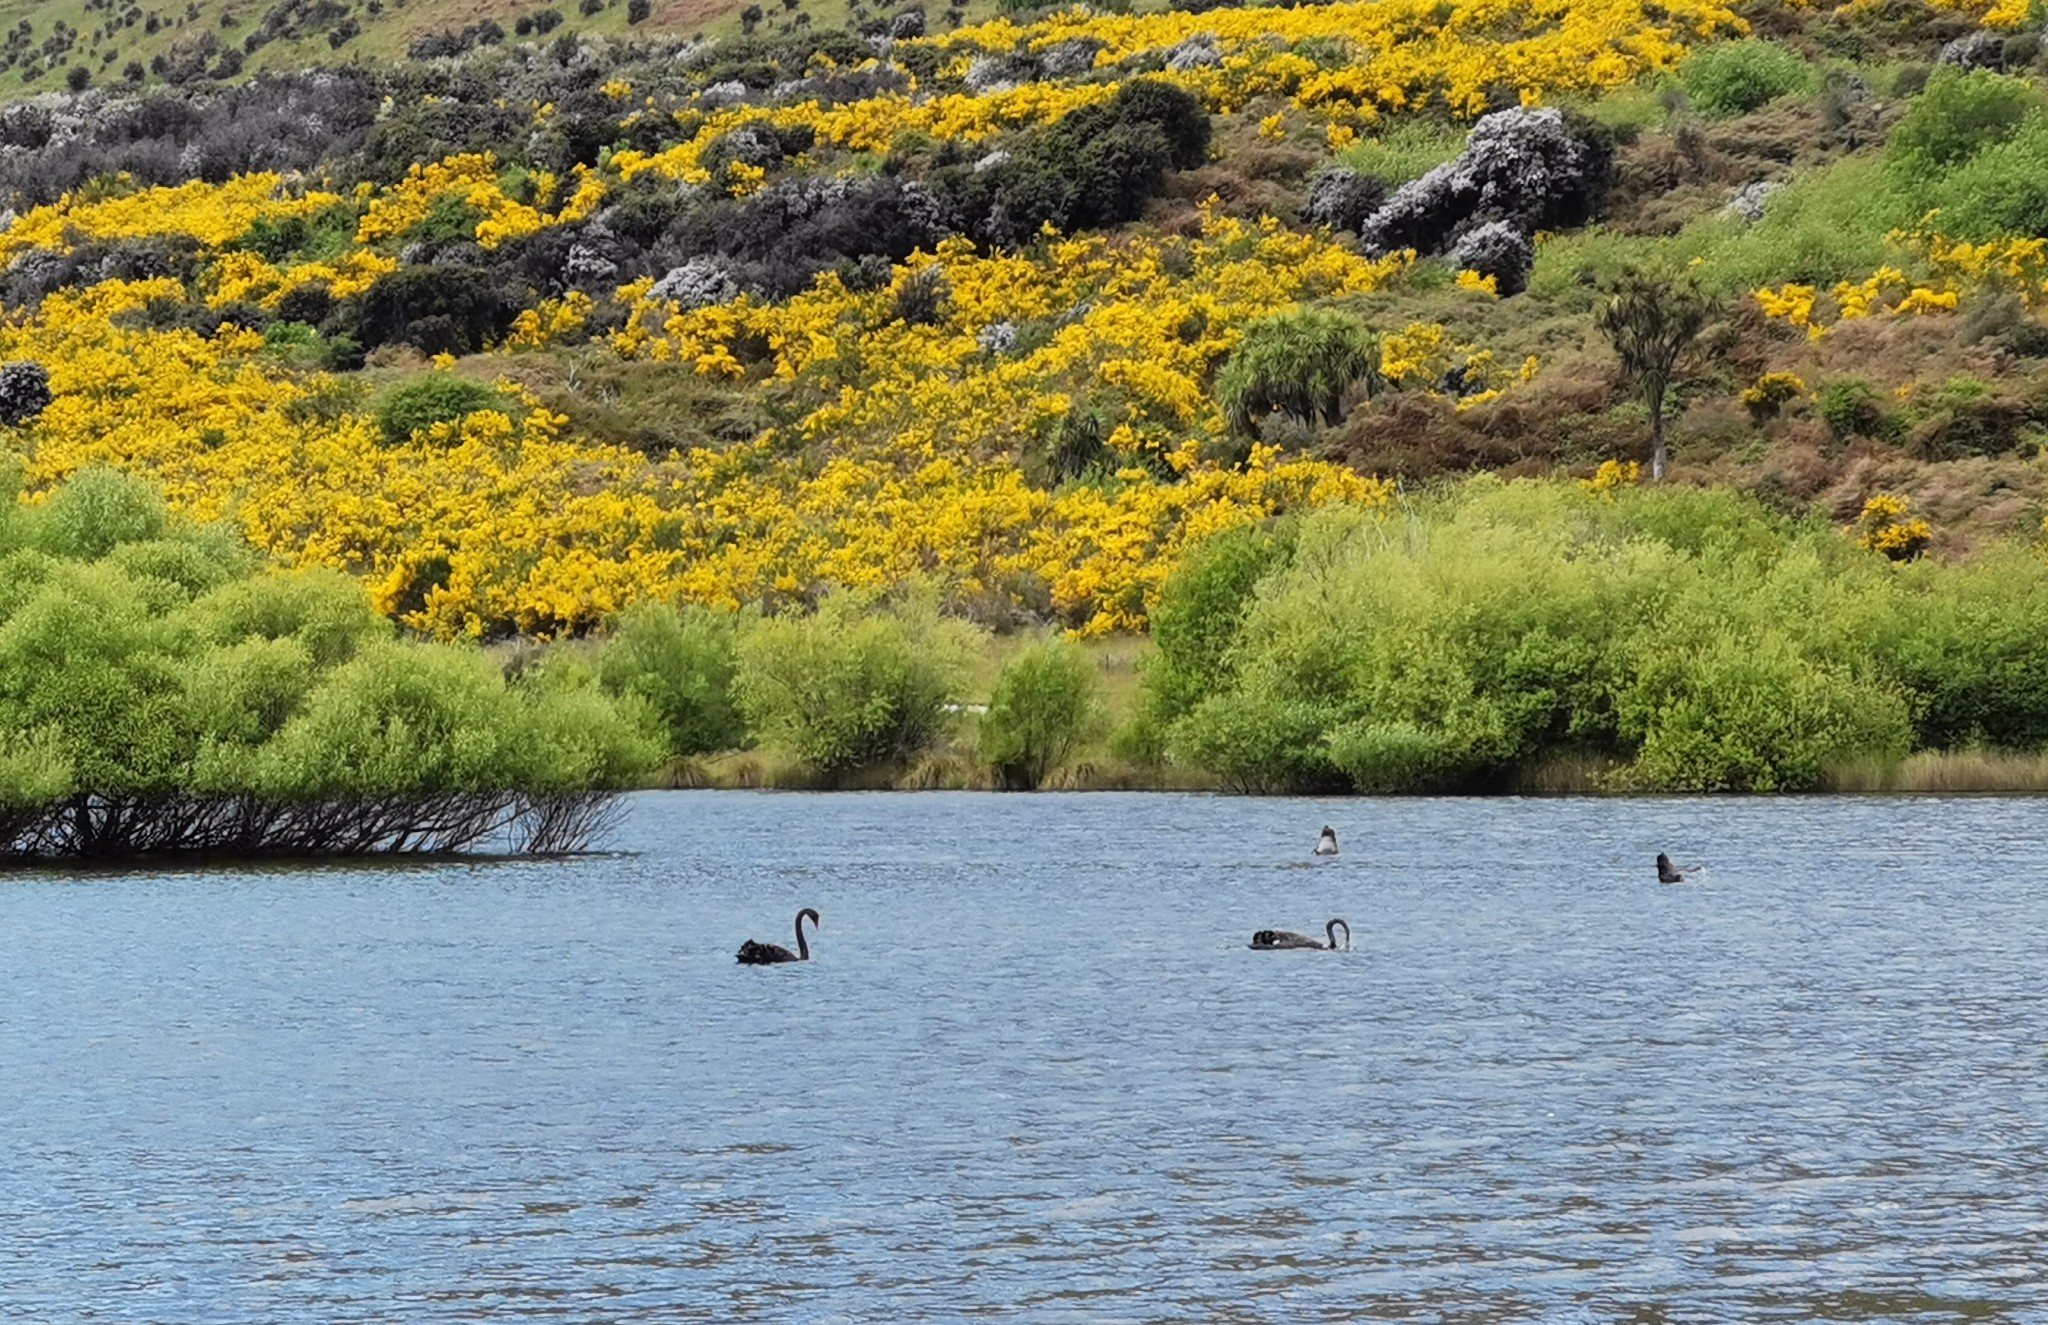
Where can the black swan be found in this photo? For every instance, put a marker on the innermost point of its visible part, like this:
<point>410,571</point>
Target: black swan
<point>1287,938</point>
<point>768,954</point>
<point>1670,873</point>
<point>1326,845</point>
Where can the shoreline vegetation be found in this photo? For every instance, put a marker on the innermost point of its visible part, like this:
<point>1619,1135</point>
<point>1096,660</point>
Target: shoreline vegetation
<point>164,693</point>
<point>1509,637</point>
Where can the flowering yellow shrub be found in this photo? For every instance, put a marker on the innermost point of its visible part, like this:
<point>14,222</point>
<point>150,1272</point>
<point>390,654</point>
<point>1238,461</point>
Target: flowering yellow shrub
<point>1886,293</point>
<point>556,322</point>
<point>1422,356</point>
<point>213,214</point>
<point>906,464</point>
<point>1407,53</point>
<point>1768,394</point>
<point>1613,474</point>
<point>1884,527</point>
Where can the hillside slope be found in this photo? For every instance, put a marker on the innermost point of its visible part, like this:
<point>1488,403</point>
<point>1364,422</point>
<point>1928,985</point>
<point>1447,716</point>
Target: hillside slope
<point>1025,307</point>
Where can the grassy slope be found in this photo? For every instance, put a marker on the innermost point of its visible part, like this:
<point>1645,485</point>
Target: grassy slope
<point>385,35</point>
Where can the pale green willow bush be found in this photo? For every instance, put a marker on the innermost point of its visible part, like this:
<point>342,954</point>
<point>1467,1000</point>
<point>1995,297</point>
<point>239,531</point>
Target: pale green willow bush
<point>1689,638</point>
<point>1043,705</point>
<point>863,683</point>
<point>681,663</point>
<point>160,691</point>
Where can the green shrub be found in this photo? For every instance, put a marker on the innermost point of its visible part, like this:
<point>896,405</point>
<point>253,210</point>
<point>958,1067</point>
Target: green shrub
<point>1852,407</point>
<point>1042,706</point>
<point>1734,78</point>
<point>434,398</point>
<point>1685,638</point>
<point>681,664</point>
<point>1201,608</point>
<point>2001,190</point>
<point>1756,713</point>
<point>1971,650</point>
<point>1255,742</point>
<point>434,308</point>
<point>858,685</point>
<point>1956,117</point>
<point>97,510</point>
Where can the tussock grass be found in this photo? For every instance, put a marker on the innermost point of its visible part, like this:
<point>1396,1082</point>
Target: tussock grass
<point>1945,771</point>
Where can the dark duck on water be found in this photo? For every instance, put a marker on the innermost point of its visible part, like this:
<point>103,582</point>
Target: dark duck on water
<point>1670,873</point>
<point>1286,938</point>
<point>770,954</point>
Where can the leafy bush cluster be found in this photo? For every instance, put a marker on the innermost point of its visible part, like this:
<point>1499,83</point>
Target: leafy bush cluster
<point>1734,78</point>
<point>1685,638</point>
<point>861,684</point>
<point>160,691</point>
<point>1092,167</point>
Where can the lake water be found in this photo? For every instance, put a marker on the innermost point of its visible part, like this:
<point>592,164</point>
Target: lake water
<point>1035,1071</point>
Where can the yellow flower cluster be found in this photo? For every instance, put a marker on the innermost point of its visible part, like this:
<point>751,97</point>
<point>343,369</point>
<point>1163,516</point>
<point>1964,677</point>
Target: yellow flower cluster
<point>213,214</point>
<point>1422,356</point>
<point>1613,474</point>
<point>1130,328</point>
<point>1402,54</point>
<point>556,322</point>
<point>475,180</point>
<point>1887,292</point>
<point>1769,393</point>
<point>1884,527</point>
<point>2018,265</point>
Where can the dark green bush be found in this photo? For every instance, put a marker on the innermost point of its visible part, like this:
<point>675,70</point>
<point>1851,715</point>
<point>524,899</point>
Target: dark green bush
<point>433,398</point>
<point>1852,407</point>
<point>1736,77</point>
<point>436,309</point>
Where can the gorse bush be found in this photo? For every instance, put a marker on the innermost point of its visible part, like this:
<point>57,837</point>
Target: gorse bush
<point>1734,78</point>
<point>1686,639</point>
<point>1043,706</point>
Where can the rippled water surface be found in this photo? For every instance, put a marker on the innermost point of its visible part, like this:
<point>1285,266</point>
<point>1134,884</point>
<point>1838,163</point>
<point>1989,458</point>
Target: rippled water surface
<point>1034,1070</point>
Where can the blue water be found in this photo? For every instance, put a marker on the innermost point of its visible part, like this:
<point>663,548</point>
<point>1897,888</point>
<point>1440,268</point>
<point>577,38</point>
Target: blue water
<point>1034,1070</point>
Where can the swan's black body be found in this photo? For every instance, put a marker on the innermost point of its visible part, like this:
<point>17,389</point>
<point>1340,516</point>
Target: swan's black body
<point>1287,938</point>
<point>1668,872</point>
<point>770,954</point>
<point>1326,845</point>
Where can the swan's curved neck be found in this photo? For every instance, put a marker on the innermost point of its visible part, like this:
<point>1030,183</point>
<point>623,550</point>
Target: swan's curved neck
<point>1332,928</point>
<point>803,946</point>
